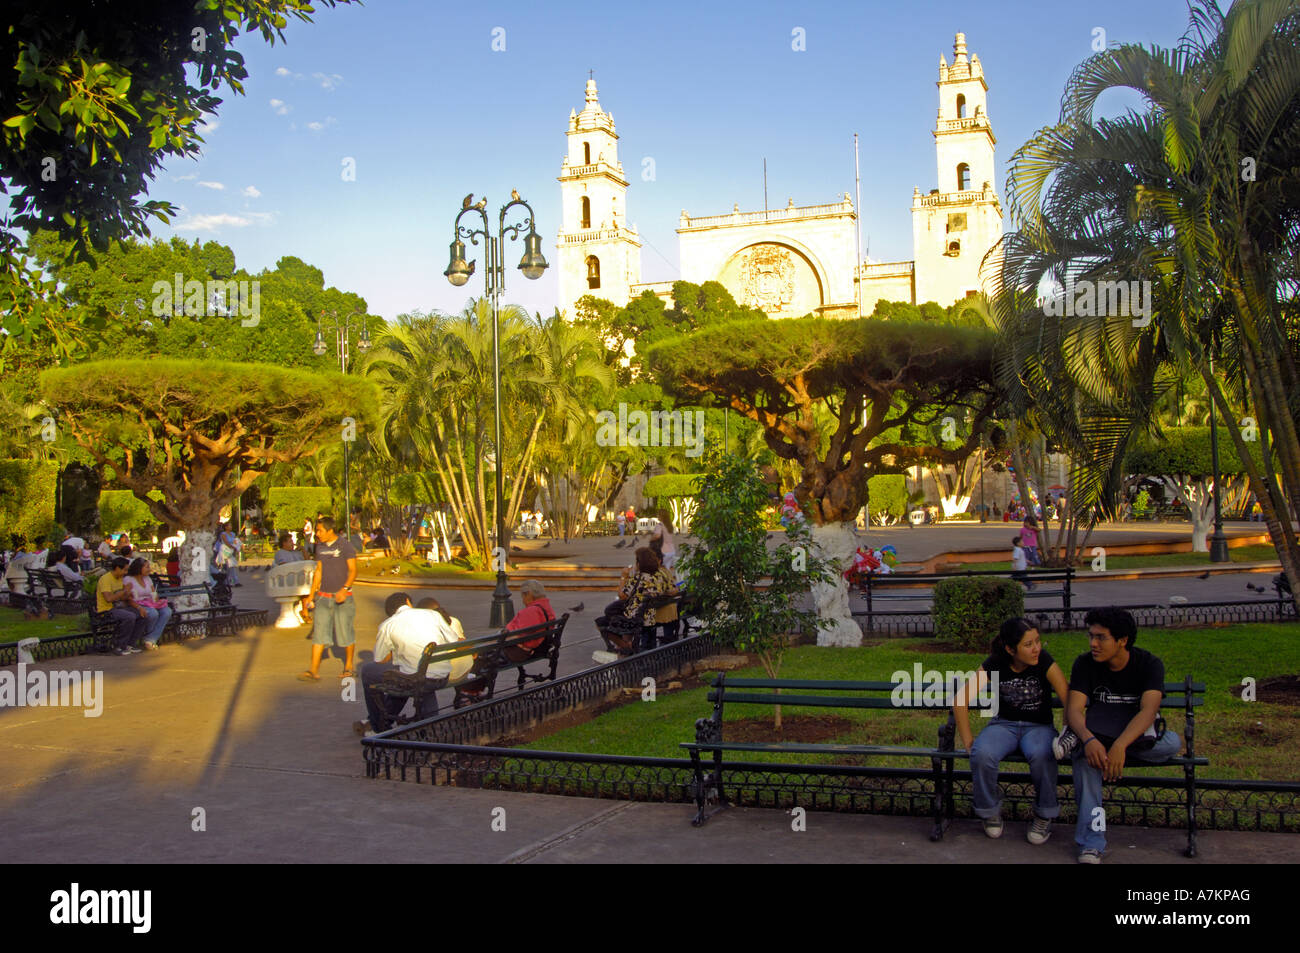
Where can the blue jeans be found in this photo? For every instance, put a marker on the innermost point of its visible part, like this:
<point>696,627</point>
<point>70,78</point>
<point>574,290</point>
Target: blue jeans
<point>1001,738</point>
<point>1087,787</point>
<point>158,619</point>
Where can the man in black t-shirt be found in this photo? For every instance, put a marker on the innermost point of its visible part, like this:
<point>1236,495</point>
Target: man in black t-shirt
<point>1114,704</point>
<point>331,587</point>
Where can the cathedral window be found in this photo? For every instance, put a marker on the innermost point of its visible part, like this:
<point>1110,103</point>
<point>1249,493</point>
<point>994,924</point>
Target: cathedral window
<point>593,271</point>
<point>586,153</point>
<point>963,177</point>
<point>954,249</point>
<point>961,106</point>
<point>586,212</point>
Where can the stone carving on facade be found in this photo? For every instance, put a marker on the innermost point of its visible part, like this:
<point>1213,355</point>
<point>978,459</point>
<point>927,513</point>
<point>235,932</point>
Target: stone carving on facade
<point>767,277</point>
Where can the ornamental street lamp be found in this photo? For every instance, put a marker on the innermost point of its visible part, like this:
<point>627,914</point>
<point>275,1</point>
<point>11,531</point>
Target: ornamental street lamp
<point>458,273</point>
<point>342,342</point>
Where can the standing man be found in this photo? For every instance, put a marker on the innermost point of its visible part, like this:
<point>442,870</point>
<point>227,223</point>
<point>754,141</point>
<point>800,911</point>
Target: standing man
<point>331,586</point>
<point>1120,686</point>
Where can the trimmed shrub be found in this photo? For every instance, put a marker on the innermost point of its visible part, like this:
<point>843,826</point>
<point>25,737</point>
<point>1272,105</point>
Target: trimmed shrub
<point>27,498</point>
<point>122,511</point>
<point>288,506</point>
<point>887,493</point>
<point>674,484</point>
<point>969,610</point>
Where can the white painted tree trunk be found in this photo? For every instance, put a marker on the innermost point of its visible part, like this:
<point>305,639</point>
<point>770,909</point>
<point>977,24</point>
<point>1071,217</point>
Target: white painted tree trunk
<point>1198,497</point>
<point>836,543</point>
<point>195,565</point>
<point>952,505</point>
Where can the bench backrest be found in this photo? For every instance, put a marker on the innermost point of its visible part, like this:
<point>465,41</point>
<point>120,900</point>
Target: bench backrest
<point>495,642</point>
<point>290,579</point>
<point>903,578</point>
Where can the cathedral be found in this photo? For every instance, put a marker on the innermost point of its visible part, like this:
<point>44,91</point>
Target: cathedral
<point>795,260</point>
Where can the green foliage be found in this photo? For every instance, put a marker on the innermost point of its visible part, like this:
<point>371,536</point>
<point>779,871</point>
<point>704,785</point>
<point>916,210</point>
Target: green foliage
<point>414,489</point>
<point>887,493</point>
<point>288,506</point>
<point>969,610</point>
<point>109,95</point>
<point>122,511</point>
<point>674,484</point>
<point>26,498</point>
<point>723,571</point>
<point>1185,451</point>
<point>1141,505</point>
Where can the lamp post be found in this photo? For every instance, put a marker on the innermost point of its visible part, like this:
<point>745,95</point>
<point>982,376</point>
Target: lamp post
<point>1218,541</point>
<point>342,341</point>
<point>458,273</point>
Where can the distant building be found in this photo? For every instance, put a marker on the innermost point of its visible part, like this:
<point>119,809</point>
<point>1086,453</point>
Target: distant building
<point>797,259</point>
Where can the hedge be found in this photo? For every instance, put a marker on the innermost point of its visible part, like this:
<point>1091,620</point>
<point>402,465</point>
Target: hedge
<point>287,507</point>
<point>969,610</point>
<point>673,484</point>
<point>122,510</point>
<point>27,491</point>
<point>887,493</point>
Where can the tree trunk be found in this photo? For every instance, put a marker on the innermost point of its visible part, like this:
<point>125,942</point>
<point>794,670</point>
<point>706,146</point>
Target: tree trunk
<point>196,565</point>
<point>836,543</point>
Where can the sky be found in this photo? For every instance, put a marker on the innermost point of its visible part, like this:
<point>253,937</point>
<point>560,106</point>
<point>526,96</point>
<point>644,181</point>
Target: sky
<point>425,102</point>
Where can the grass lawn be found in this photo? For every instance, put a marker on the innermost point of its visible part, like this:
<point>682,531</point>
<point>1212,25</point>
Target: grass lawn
<point>1242,740</point>
<point>13,627</point>
<point>1242,554</point>
<point>418,567</point>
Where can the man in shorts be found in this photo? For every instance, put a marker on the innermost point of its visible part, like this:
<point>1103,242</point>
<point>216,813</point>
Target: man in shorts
<point>331,586</point>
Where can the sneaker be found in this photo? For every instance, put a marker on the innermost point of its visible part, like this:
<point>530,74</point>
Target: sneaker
<point>151,646</point>
<point>993,827</point>
<point>132,650</point>
<point>1065,744</point>
<point>361,727</point>
<point>121,652</point>
<point>1039,830</point>
<point>1089,856</point>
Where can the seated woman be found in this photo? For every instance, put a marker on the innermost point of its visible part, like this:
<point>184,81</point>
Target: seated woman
<point>1024,677</point>
<point>65,562</point>
<point>641,584</point>
<point>663,541</point>
<point>141,592</point>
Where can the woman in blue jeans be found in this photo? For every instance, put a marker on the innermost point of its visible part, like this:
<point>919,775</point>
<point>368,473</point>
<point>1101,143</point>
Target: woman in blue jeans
<point>1021,676</point>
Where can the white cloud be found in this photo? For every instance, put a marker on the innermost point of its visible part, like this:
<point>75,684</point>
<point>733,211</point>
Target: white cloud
<point>251,192</point>
<point>281,71</point>
<point>318,126</point>
<point>279,106</point>
<point>208,125</point>
<point>185,178</point>
<point>218,186</point>
<point>211,223</point>
<point>327,80</point>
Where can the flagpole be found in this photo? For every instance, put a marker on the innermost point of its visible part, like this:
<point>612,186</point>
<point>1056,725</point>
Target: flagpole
<point>857,208</point>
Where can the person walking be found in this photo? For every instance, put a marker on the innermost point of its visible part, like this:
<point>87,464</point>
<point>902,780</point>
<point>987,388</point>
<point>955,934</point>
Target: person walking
<point>331,598</point>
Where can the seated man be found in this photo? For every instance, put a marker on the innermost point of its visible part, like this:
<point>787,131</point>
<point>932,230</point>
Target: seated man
<point>111,597</point>
<point>1120,687</point>
<point>399,643</point>
<point>536,611</point>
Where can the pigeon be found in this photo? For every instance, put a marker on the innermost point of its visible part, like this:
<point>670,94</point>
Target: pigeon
<point>1204,575</point>
<point>620,544</point>
<point>514,195</point>
<point>547,546</point>
<point>1255,588</point>
<point>515,549</point>
<point>468,200</point>
<point>578,608</point>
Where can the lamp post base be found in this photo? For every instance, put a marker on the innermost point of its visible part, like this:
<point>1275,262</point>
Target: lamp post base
<point>503,608</point>
<point>1219,547</point>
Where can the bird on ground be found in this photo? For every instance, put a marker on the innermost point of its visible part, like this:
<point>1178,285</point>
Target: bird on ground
<point>514,194</point>
<point>467,201</point>
<point>547,546</point>
<point>578,608</point>
<point>1255,588</point>
<point>620,544</point>
<point>1204,575</point>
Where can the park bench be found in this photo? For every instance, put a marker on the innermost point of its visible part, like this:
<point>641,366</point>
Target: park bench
<point>768,692</point>
<point>46,588</point>
<point>489,652</point>
<point>645,639</point>
<point>1187,695</point>
<point>882,587</point>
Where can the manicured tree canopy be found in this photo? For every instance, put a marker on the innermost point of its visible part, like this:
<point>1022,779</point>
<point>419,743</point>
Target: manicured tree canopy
<point>1185,452</point>
<point>200,432</point>
<point>903,374</point>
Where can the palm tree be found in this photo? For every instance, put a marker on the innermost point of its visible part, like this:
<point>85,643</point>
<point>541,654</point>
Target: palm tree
<point>1198,194</point>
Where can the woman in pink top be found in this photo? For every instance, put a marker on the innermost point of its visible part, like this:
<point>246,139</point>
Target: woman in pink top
<point>140,590</point>
<point>1029,541</point>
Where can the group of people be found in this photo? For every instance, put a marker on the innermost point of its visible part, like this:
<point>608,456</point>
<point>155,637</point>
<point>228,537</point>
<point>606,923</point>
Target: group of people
<point>127,594</point>
<point>1112,719</point>
<point>72,558</point>
<point>650,577</point>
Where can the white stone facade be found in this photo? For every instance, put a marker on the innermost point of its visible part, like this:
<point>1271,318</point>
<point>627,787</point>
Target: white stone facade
<point>799,259</point>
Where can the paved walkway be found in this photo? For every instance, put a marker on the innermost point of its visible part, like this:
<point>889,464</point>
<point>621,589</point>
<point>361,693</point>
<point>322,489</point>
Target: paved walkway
<point>223,725</point>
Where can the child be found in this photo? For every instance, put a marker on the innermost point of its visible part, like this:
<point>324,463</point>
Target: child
<point>1019,566</point>
<point>1029,541</point>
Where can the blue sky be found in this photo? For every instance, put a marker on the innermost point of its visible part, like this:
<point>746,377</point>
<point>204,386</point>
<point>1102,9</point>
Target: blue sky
<point>416,95</point>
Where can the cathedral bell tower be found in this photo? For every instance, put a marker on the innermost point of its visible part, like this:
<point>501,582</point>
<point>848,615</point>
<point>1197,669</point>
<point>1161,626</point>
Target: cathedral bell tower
<point>598,252</point>
<point>956,224</point>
